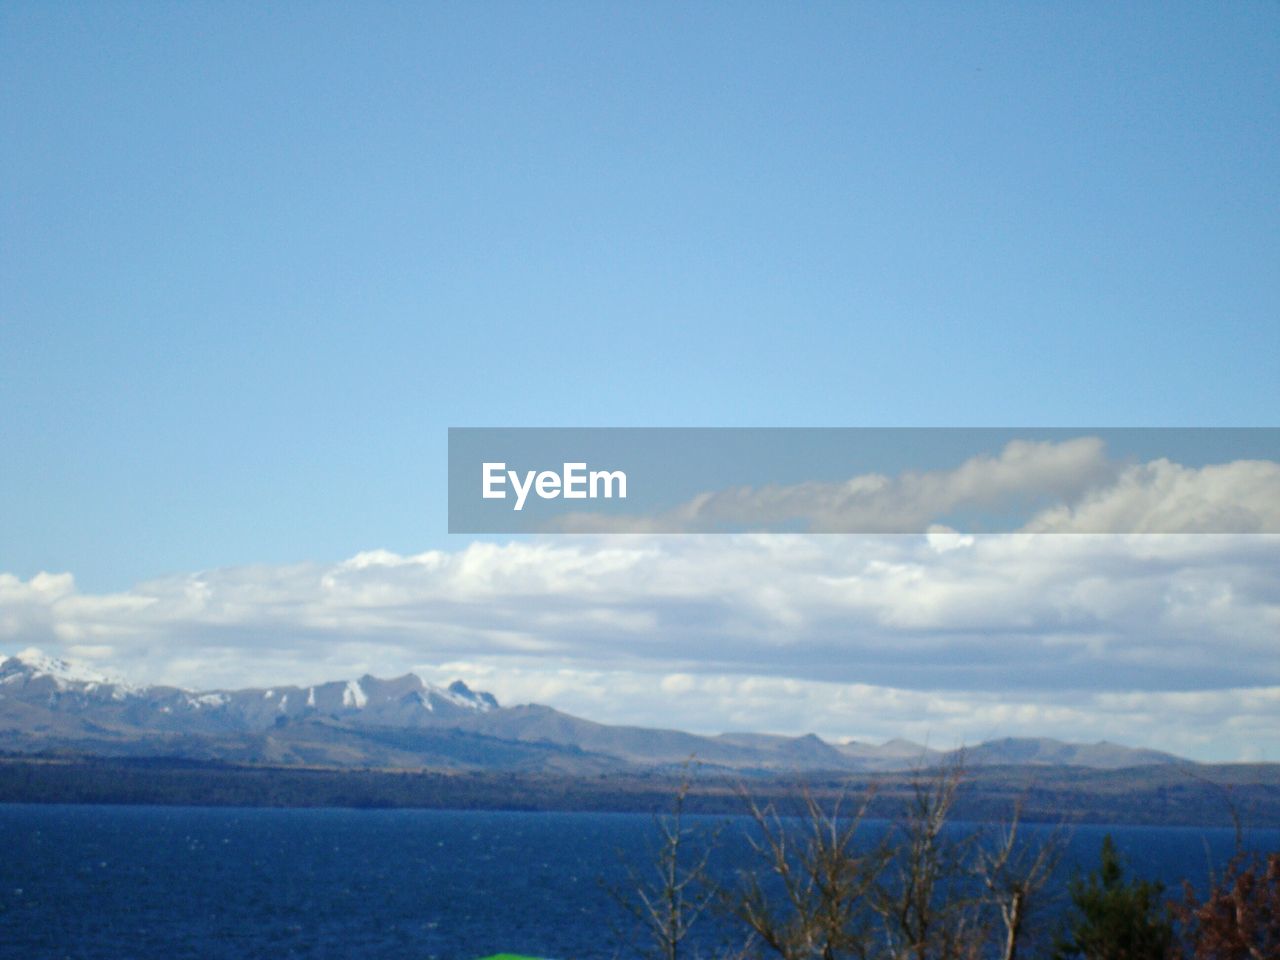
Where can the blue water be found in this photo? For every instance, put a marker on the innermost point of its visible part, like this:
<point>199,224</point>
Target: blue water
<point>173,882</point>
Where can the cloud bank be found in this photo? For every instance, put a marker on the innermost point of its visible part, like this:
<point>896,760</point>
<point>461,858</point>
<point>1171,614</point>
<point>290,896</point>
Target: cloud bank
<point>1164,641</point>
<point>1030,486</point>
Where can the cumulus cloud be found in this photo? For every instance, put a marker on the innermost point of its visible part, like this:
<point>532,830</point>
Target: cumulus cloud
<point>1031,486</point>
<point>1166,497</point>
<point>948,635</point>
<point>913,500</point>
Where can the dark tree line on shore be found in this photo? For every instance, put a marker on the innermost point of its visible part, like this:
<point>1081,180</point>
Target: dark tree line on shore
<point>1149,795</point>
<point>816,888</point>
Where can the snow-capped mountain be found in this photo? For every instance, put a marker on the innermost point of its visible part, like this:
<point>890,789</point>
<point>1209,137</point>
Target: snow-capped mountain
<point>33,664</point>
<point>48,705</point>
<point>37,681</point>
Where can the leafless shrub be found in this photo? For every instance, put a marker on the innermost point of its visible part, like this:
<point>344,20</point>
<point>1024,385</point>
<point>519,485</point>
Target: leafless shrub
<point>671,896</point>
<point>810,901</point>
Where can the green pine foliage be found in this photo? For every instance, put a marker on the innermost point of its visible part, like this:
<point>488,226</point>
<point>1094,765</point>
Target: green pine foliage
<point>1114,918</point>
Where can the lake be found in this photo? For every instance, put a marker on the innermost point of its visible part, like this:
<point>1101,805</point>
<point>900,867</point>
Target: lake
<point>175,882</point>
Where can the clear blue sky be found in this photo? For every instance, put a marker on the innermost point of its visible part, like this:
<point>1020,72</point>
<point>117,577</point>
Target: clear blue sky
<point>255,259</point>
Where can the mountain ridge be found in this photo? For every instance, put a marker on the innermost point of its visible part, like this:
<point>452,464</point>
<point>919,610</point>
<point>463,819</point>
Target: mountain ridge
<point>52,704</point>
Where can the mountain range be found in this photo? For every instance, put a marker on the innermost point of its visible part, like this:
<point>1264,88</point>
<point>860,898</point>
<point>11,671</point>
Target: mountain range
<point>52,706</point>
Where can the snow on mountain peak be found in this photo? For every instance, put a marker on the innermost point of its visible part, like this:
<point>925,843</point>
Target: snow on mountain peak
<point>64,671</point>
<point>367,694</point>
<point>354,695</point>
<point>463,696</point>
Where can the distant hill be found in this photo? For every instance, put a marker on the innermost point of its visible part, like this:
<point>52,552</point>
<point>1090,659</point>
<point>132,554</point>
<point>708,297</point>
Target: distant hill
<point>48,705</point>
<point>1042,751</point>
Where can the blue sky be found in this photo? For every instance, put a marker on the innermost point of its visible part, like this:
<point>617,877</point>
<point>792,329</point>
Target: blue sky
<point>256,259</point>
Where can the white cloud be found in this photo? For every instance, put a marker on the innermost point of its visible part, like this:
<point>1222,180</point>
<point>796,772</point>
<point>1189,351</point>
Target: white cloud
<point>940,635</point>
<point>1166,497</point>
<point>1031,486</point>
<point>912,501</point>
